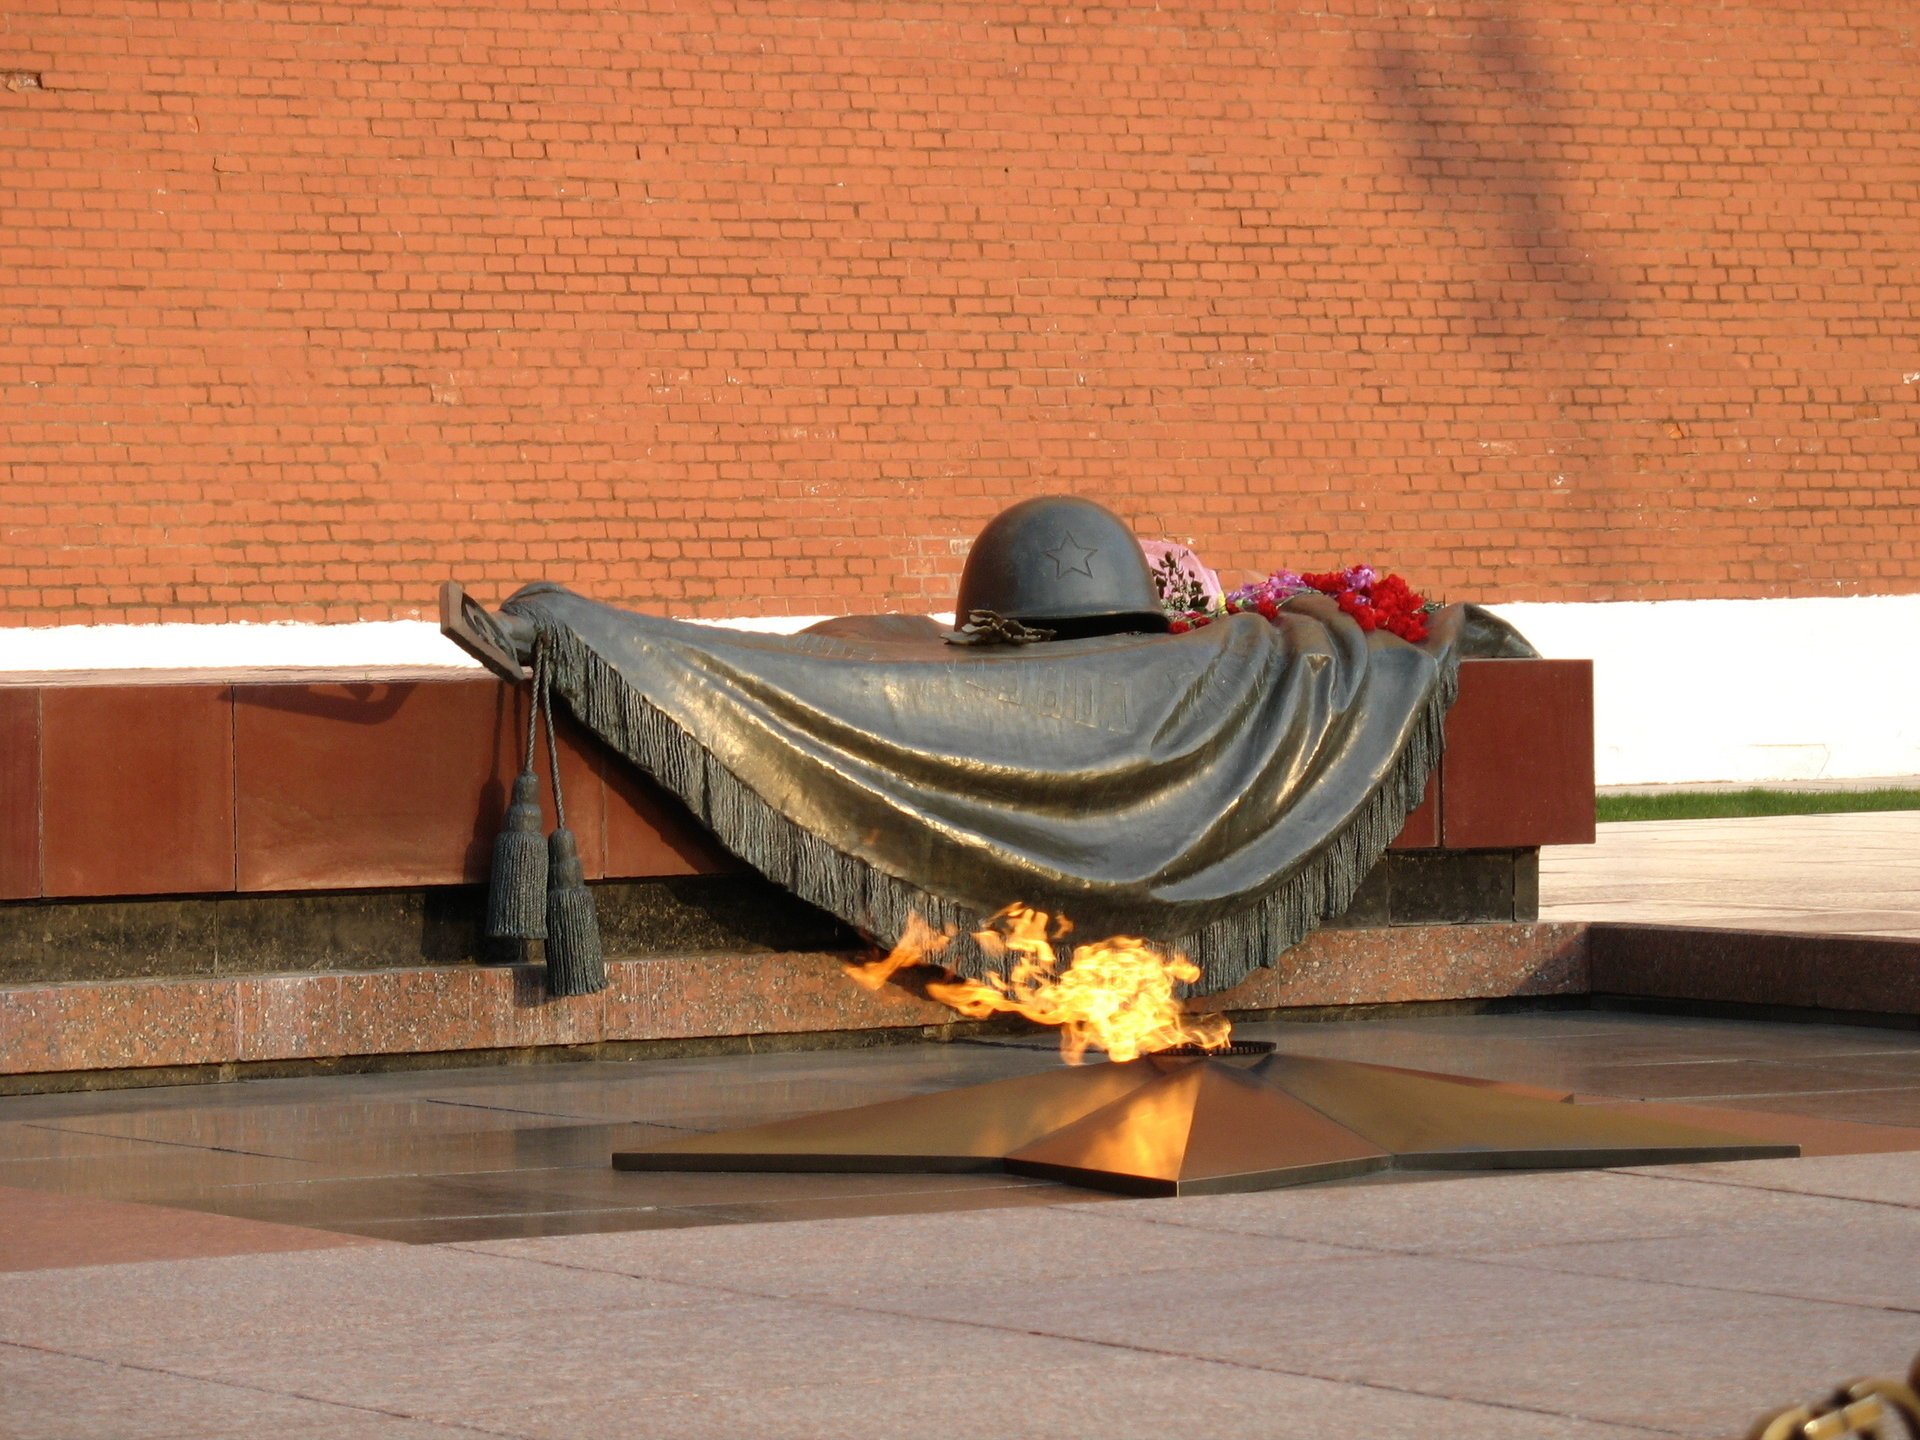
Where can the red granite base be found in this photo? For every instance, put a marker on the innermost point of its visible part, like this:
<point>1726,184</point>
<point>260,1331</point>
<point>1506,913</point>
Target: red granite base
<point>127,1026</point>
<point>130,1024</point>
<point>1874,974</point>
<point>1407,963</point>
<point>118,1024</point>
<point>276,788</point>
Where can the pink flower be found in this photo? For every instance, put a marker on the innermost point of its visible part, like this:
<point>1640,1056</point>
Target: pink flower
<point>1184,583</point>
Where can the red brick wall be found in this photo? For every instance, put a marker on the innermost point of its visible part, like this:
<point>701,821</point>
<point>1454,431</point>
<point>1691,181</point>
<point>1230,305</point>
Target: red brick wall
<point>310,305</point>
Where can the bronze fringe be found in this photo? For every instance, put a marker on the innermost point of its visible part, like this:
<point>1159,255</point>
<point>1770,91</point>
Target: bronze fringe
<point>879,904</point>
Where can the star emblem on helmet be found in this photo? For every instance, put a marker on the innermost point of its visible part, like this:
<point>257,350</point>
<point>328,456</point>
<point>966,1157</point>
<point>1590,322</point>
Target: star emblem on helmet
<point>1070,557</point>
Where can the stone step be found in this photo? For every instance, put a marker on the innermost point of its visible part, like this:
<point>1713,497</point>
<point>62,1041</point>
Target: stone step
<point>175,1029</point>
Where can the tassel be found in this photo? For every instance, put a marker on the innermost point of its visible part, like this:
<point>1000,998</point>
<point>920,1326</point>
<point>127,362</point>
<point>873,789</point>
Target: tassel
<point>516,891</point>
<point>517,894</point>
<point>575,963</point>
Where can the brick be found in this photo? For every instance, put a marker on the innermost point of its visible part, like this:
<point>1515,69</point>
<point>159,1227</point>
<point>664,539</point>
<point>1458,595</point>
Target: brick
<point>1201,263</point>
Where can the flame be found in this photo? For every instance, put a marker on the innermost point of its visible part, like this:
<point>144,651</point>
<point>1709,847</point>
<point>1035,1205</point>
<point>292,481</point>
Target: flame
<point>919,942</point>
<point>1114,995</point>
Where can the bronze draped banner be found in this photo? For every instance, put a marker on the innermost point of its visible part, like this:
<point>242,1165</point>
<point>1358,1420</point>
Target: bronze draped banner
<point>1219,792</point>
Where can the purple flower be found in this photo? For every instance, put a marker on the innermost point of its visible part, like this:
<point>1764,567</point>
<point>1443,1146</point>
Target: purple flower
<point>1278,586</point>
<point>1286,582</point>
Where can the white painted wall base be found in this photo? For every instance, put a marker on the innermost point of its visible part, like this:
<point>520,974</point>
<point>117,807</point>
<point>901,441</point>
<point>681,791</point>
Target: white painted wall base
<point>368,650</point>
<point>133,653</point>
<point>1684,690</point>
<point>1743,690</point>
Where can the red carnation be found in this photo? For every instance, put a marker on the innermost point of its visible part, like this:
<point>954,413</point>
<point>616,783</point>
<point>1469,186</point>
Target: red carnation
<point>1373,600</point>
<point>1391,593</point>
<point>1355,605</point>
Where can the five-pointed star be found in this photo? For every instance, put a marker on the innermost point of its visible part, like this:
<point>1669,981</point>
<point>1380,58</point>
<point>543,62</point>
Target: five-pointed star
<point>1070,557</point>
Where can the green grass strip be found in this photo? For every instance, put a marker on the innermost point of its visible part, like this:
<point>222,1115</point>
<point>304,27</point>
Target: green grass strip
<point>1734,804</point>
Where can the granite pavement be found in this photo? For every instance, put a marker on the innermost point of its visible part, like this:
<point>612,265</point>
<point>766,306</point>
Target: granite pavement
<point>448,1254</point>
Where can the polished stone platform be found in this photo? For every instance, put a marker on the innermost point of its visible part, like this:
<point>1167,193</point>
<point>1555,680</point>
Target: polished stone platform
<point>495,1152</point>
<point>220,1262</point>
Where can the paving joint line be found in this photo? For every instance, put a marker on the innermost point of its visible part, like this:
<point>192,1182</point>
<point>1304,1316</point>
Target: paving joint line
<point>245,1388</point>
<point>143,1140</point>
<point>1776,1189</point>
<point>1482,1257</point>
<point>1125,1347</point>
<point>1518,1263</point>
<point>1787,1096</point>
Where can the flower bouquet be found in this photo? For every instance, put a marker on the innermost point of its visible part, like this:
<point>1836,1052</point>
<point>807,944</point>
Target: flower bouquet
<point>1373,599</point>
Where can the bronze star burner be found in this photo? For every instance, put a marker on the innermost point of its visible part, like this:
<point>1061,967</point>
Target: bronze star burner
<point>1169,1124</point>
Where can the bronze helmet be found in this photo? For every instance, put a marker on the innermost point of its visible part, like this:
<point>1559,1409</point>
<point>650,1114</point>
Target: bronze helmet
<point>1062,564</point>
